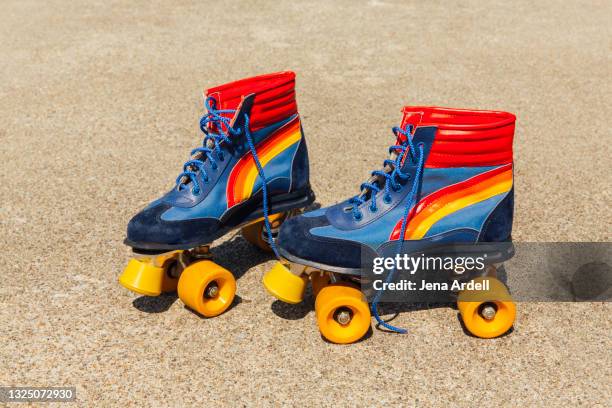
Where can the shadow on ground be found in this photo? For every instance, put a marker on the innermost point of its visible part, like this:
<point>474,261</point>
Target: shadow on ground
<point>299,311</point>
<point>226,256</point>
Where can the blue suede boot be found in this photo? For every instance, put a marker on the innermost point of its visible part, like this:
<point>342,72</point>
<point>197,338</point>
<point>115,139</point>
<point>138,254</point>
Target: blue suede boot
<point>448,182</point>
<point>251,172</point>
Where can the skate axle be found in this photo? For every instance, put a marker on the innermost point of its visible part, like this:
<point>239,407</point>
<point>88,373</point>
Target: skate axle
<point>488,311</point>
<point>174,271</point>
<point>212,290</point>
<point>343,316</point>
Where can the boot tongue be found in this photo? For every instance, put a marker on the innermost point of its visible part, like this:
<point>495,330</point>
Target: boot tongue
<point>223,101</point>
<point>240,105</point>
<point>410,117</point>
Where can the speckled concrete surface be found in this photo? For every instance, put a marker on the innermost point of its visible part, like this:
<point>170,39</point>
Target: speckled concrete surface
<point>99,107</point>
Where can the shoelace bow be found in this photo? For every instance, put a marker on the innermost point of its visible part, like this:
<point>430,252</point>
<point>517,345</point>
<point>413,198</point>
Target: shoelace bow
<point>213,144</point>
<point>393,180</point>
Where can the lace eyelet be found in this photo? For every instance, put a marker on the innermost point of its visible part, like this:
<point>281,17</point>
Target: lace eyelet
<point>358,216</point>
<point>387,199</point>
<point>195,191</point>
<point>373,209</point>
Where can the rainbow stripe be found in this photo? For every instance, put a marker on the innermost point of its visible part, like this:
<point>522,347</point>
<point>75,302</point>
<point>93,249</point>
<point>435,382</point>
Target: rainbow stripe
<point>244,174</point>
<point>448,200</point>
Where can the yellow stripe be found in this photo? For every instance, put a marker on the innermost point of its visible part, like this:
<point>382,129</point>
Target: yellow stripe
<point>457,205</point>
<point>251,176</point>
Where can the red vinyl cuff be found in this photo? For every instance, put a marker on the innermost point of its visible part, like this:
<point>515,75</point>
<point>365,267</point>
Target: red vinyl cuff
<point>274,97</point>
<point>465,137</point>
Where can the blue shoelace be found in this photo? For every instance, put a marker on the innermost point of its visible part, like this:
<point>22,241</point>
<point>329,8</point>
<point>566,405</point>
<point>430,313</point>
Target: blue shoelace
<point>224,131</point>
<point>392,181</point>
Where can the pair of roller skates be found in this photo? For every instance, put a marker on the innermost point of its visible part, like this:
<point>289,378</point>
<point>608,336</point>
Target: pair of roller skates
<point>448,180</point>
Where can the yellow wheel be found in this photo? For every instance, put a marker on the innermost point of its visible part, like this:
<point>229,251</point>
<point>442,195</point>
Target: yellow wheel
<point>207,288</point>
<point>150,277</point>
<point>319,280</point>
<point>342,313</point>
<point>254,231</point>
<point>488,312</point>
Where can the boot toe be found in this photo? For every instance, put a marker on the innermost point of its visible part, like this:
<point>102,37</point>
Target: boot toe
<point>148,230</point>
<point>297,240</point>
<point>147,225</point>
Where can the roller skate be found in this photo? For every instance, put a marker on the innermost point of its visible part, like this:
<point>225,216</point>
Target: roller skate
<point>251,173</point>
<point>447,184</point>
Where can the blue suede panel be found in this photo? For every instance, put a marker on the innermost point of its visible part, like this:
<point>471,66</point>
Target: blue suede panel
<point>295,238</point>
<point>300,171</point>
<point>498,226</point>
<point>315,213</point>
<point>147,226</point>
<point>463,235</point>
<point>372,235</point>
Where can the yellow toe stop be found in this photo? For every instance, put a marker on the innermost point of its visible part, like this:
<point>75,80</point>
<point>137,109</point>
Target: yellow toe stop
<point>284,285</point>
<point>142,276</point>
